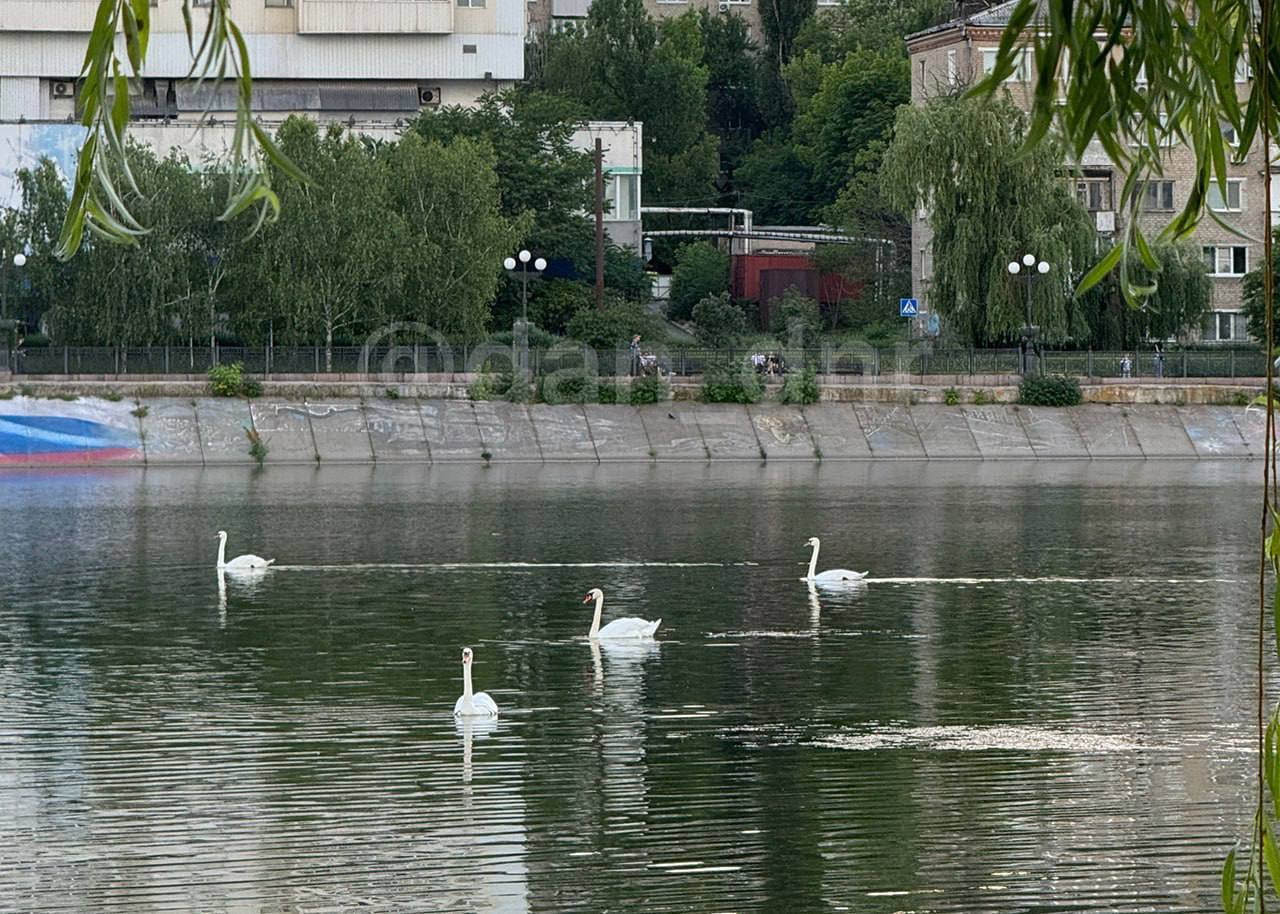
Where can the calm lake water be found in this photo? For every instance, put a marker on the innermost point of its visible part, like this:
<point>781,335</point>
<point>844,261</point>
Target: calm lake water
<point>1046,705</point>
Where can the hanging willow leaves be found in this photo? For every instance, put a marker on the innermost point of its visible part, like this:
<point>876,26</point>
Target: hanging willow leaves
<point>103,180</point>
<point>1137,77</point>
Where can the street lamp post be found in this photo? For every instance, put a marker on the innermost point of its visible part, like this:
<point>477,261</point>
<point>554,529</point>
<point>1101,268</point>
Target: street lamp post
<point>527,263</point>
<point>1031,270</point>
<point>19,261</point>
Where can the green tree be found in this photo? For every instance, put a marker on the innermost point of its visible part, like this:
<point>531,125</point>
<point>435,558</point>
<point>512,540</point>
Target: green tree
<point>719,322</point>
<point>701,269</point>
<point>776,184</point>
<point>326,270</point>
<point>988,204</point>
<point>39,218</point>
<point>797,317</point>
<point>1253,300</point>
<point>1175,309</point>
<point>454,235</point>
<point>854,107</point>
<point>868,24</point>
<point>612,328</point>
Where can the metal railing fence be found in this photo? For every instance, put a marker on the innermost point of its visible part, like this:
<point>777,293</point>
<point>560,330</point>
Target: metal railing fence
<point>422,359</point>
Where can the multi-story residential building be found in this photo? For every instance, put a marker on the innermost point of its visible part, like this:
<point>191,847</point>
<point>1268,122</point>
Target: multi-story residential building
<point>366,59</point>
<point>558,13</point>
<point>948,56</point>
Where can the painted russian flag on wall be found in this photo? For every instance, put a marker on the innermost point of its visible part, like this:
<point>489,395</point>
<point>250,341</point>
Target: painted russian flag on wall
<point>29,439</point>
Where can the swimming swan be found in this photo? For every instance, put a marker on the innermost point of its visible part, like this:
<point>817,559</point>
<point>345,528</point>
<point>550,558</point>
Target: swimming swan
<point>629,627</point>
<point>835,575</point>
<point>477,705</point>
<point>240,562</point>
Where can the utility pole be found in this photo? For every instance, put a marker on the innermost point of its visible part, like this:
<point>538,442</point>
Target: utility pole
<point>599,226</point>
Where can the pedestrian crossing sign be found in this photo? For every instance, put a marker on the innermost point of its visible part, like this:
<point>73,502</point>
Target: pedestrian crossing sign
<point>908,307</point>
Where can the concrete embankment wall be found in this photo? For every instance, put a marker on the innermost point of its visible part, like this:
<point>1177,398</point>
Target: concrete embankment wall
<point>210,431</point>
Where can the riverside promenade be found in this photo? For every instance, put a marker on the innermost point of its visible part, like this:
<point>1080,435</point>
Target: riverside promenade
<point>54,425</point>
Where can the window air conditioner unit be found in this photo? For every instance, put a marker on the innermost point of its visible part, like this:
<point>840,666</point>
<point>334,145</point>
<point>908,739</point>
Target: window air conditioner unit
<point>64,89</point>
<point>1105,220</point>
<point>428,97</point>
<point>724,6</point>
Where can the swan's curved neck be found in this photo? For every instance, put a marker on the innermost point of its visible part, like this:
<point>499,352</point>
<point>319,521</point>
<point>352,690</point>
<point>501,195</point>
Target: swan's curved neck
<point>595,620</point>
<point>222,550</point>
<point>466,683</point>
<point>813,561</point>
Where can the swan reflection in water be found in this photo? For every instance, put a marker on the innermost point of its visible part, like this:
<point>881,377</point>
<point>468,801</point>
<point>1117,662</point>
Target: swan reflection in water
<point>620,688</point>
<point>471,728</point>
<point>246,581</point>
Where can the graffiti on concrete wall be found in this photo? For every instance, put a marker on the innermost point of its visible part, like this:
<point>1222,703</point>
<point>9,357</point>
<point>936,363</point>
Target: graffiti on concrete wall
<point>43,432</point>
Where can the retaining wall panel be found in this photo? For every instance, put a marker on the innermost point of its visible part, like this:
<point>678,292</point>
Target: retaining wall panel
<point>783,432</point>
<point>395,431</point>
<point>563,433</point>
<point>340,431</point>
<point>285,429</point>
<point>944,432</point>
<point>890,431</point>
<point>727,432</point>
<point>836,432</point>
<point>1213,431</point>
<point>673,432</point>
<point>222,430</point>
<point>451,430</point>
<point>618,432</point>
<point>1160,431</point>
<point>173,434</point>
<point>1252,424</point>
<point>1052,431</point>
<point>1106,431</point>
<point>998,432</point>
<point>506,430</point>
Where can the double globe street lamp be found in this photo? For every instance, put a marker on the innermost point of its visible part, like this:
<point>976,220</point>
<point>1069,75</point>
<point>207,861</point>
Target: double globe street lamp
<point>1031,270</point>
<point>527,264</point>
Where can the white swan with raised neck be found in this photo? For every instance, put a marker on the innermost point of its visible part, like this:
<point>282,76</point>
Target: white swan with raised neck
<point>626,627</point>
<point>835,575</point>
<point>470,704</point>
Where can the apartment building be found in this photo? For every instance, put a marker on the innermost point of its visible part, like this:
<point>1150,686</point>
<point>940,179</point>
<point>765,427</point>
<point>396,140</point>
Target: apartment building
<point>372,60</point>
<point>960,51</point>
<point>559,13</point>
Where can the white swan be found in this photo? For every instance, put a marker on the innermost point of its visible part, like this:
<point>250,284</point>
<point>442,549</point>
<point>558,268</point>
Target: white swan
<point>240,562</point>
<point>629,627</point>
<point>835,575</point>
<point>469,705</point>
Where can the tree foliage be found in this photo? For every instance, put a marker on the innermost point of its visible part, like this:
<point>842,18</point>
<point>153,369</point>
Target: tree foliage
<point>1174,310</point>
<point>988,205</point>
<point>719,322</point>
<point>701,269</point>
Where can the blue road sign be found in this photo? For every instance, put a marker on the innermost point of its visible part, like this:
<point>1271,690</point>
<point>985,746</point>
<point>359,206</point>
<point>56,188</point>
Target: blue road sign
<point>908,307</point>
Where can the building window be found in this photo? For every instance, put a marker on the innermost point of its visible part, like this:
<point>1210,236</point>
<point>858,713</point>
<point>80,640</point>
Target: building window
<point>1232,202</point>
<point>1244,72</point>
<point>953,76</point>
<point>1229,134</point>
<point>1021,65</point>
<point>1225,326</point>
<point>1232,260</point>
<point>1157,197</point>
<point>622,193</point>
<point>1094,192</point>
<point>279,3</point>
<point>924,263</point>
<point>471,4</point>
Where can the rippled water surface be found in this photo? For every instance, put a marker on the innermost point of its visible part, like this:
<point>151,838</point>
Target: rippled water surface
<point>1043,703</point>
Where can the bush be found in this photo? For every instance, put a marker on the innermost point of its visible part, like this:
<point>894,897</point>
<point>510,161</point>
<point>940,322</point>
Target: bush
<point>801,389</point>
<point>610,392</point>
<point>797,318</point>
<point>557,301</point>
<point>951,397</point>
<point>701,269</point>
<point>979,398</point>
<point>226,380</point>
<point>720,323</point>
<point>1054,391</point>
<point>613,327</point>
<point>648,389</point>
<point>575,386</point>
<point>728,383</point>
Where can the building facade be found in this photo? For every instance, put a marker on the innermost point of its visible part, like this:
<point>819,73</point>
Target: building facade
<point>559,13</point>
<point>957,53</point>
<point>372,60</point>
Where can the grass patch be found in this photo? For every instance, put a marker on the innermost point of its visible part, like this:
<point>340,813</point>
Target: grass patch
<point>258,449</point>
<point>140,412</point>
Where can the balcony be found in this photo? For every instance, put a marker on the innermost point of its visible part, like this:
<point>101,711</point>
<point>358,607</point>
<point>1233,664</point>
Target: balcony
<point>47,15</point>
<point>374,17</point>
